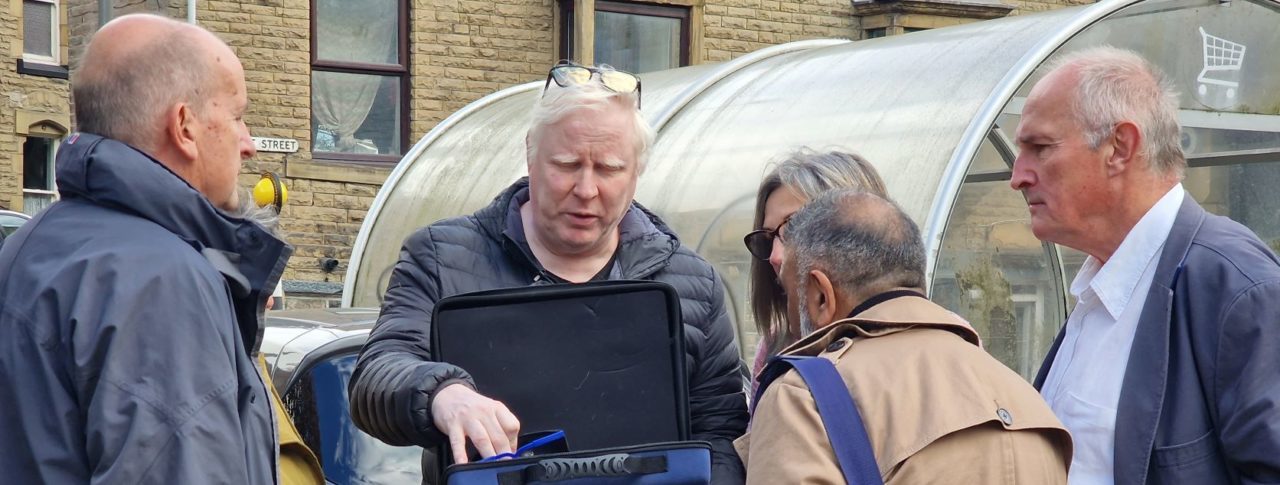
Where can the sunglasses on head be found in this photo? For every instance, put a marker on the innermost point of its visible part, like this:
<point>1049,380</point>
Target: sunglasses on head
<point>760,241</point>
<point>568,73</point>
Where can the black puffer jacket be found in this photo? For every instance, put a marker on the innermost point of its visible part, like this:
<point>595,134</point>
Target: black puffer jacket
<point>396,378</point>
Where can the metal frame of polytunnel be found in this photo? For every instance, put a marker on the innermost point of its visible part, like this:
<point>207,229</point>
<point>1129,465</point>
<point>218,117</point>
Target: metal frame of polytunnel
<point>954,175</point>
<point>934,217</point>
<point>669,111</point>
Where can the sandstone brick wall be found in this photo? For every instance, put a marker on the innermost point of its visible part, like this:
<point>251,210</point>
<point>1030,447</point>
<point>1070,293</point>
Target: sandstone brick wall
<point>737,27</point>
<point>462,50</point>
<point>10,185</point>
<point>1032,6</point>
<point>41,97</point>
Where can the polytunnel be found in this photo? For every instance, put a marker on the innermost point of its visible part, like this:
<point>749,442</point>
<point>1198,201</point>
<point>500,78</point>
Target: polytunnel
<point>934,111</point>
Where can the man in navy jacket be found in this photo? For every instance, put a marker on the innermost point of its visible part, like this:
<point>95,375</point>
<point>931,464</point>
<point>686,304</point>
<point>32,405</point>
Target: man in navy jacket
<point>131,309</point>
<point>1168,370</point>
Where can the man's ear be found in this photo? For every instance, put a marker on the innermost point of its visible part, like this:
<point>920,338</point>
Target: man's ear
<point>821,297</point>
<point>1125,142</point>
<point>179,131</point>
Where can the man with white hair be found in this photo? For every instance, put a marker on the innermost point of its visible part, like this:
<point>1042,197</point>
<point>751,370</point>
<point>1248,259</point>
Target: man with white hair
<point>572,220</point>
<point>1166,370</point>
<point>131,309</point>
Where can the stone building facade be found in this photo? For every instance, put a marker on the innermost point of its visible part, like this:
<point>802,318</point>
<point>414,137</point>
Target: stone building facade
<point>411,63</point>
<point>34,100</point>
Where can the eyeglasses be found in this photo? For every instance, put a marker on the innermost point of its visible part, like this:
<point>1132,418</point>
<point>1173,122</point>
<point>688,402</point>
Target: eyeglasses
<point>760,241</point>
<point>568,73</point>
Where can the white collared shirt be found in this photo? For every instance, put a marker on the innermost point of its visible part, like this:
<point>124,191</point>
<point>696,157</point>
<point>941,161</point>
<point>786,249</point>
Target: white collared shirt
<point>1083,385</point>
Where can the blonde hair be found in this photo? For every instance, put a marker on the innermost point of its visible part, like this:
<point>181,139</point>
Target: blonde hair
<point>557,103</point>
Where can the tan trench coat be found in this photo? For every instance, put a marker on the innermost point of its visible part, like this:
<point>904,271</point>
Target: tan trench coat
<point>937,408</point>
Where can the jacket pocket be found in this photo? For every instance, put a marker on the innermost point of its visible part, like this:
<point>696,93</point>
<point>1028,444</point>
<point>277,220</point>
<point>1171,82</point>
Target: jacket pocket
<point>1188,454</point>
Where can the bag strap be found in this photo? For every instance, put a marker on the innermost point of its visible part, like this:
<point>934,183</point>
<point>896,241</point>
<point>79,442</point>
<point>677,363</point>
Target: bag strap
<point>839,414</point>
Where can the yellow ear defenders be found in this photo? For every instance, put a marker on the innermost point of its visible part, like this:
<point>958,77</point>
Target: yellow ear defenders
<point>270,191</point>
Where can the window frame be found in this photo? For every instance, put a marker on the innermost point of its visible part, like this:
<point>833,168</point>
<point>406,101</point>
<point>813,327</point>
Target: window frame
<point>51,177</point>
<point>400,70</point>
<point>55,39</point>
<point>683,13</point>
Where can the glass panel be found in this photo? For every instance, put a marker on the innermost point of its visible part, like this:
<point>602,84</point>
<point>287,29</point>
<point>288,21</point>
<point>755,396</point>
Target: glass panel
<point>9,224</point>
<point>994,272</point>
<point>37,163</point>
<point>347,454</point>
<point>355,113</point>
<point>1245,193</point>
<point>33,203</point>
<point>637,43</point>
<point>1215,54</point>
<point>365,31</point>
<point>300,402</point>
<point>37,28</point>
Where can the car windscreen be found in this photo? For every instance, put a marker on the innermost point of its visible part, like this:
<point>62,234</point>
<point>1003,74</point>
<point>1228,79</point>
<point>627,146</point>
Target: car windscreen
<point>318,403</point>
<point>10,224</point>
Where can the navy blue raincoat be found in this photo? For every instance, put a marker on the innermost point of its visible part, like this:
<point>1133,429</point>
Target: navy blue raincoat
<point>129,311</point>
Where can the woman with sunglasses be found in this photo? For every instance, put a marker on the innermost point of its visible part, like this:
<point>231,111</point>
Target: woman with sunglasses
<point>793,182</point>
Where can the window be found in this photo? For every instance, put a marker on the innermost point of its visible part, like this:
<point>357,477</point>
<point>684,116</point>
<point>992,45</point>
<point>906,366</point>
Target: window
<point>317,402</point>
<point>359,79</point>
<point>633,37</point>
<point>994,272</point>
<point>38,189</point>
<point>40,31</point>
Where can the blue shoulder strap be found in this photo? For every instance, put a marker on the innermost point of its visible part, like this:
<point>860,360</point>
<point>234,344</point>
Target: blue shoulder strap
<point>839,414</point>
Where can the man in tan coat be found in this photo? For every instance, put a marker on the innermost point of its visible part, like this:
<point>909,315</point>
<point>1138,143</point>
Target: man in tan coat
<point>936,407</point>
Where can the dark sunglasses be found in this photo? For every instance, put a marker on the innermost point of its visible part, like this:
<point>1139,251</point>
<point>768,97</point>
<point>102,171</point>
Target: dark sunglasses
<point>568,73</point>
<point>760,241</point>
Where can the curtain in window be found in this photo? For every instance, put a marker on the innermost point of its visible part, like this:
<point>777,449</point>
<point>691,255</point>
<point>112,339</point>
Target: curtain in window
<point>341,102</point>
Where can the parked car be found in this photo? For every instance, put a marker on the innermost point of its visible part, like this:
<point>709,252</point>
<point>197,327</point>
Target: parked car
<point>10,221</point>
<point>310,355</point>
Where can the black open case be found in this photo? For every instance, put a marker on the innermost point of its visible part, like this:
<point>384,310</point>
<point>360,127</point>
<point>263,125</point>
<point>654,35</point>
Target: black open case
<point>604,361</point>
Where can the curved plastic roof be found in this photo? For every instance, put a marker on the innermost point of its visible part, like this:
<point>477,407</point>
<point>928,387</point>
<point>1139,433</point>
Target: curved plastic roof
<point>917,106</point>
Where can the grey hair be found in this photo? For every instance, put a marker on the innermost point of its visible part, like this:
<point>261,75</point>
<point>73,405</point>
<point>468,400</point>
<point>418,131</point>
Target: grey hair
<point>265,216</point>
<point>557,103</point>
<point>125,100</point>
<point>809,173</point>
<point>861,241</point>
<point>1116,85</point>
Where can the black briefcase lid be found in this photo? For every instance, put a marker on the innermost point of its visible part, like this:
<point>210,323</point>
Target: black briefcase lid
<point>603,361</point>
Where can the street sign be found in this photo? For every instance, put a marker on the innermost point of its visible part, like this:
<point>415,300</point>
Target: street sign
<point>275,145</point>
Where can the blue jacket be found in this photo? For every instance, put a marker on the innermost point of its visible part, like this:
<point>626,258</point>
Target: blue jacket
<point>128,314</point>
<point>1200,402</point>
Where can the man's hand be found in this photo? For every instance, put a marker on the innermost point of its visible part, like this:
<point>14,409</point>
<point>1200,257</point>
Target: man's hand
<point>464,414</point>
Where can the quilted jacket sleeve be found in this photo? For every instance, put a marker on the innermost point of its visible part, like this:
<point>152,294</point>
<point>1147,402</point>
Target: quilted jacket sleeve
<point>395,378</point>
<point>717,405</point>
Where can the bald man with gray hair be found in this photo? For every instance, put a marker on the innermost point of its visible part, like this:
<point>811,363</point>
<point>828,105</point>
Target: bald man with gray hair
<point>131,309</point>
<point>1166,370</point>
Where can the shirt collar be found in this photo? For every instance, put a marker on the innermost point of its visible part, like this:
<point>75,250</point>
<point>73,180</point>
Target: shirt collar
<point>1114,282</point>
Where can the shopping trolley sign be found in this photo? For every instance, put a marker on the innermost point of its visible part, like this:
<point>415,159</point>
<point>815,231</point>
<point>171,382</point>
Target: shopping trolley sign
<point>1222,62</point>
